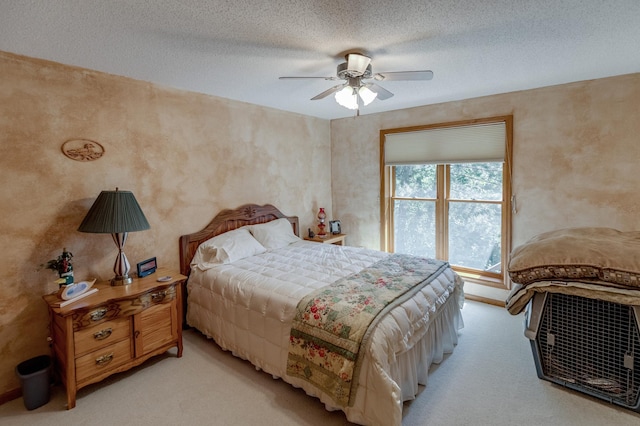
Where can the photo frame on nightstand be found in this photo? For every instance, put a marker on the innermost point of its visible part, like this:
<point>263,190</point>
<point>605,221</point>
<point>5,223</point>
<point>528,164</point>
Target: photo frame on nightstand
<point>147,267</point>
<point>335,227</point>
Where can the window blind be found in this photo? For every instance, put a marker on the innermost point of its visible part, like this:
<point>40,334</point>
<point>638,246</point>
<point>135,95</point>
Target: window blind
<point>476,143</point>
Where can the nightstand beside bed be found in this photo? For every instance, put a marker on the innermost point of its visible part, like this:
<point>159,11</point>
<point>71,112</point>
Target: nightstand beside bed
<point>114,329</point>
<point>337,239</point>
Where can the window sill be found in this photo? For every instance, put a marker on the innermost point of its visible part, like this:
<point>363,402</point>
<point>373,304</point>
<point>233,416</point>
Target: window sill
<point>481,279</point>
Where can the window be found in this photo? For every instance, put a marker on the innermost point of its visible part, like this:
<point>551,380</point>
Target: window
<point>446,195</point>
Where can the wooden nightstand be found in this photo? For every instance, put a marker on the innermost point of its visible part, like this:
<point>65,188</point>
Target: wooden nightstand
<point>115,329</point>
<point>337,239</point>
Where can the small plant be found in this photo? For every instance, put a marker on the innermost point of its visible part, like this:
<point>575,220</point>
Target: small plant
<point>62,264</point>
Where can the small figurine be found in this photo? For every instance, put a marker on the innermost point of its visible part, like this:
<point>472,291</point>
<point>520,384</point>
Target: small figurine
<point>311,234</point>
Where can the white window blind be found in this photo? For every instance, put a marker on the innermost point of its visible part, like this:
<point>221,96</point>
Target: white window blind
<point>464,144</point>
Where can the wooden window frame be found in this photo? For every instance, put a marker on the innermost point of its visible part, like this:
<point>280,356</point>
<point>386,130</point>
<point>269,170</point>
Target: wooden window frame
<point>387,180</point>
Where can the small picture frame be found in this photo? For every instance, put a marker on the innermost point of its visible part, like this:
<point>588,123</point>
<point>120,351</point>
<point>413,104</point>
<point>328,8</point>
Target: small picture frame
<point>147,267</point>
<point>334,227</point>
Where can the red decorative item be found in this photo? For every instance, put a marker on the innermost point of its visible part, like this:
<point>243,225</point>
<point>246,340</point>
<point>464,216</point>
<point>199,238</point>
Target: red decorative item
<point>321,217</point>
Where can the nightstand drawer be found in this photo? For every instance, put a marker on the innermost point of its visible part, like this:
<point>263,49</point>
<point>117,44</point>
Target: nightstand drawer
<point>92,338</point>
<point>103,360</point>
<point>158,296</point>
<point>89,317</point>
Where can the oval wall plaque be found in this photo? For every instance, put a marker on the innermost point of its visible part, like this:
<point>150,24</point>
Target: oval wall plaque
<point>82,149</point>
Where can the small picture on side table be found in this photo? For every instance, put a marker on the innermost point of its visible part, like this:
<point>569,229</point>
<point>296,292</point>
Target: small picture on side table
<point>334,227</point>
<point>147,267</point>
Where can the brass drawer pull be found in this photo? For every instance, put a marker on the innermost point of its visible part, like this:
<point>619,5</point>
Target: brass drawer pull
<point>98,314</point>
<point>104,359</point>
<point>157,297</point>
<point>103,334</point>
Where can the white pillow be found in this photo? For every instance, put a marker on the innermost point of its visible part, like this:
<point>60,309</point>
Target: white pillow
<point>226,248</point>
<point>275,234</point>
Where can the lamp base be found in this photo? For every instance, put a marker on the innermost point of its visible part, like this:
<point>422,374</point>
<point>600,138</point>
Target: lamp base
<point>124,280</point>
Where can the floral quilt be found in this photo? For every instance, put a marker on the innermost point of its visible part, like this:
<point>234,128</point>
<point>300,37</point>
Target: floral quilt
<point>332,325</point>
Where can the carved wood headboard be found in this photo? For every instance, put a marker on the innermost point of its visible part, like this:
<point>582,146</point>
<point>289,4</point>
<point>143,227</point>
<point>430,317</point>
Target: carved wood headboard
<point>228,220</point>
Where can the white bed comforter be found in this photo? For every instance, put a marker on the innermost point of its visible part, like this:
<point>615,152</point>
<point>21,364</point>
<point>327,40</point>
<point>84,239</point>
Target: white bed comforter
<point>248,306</point>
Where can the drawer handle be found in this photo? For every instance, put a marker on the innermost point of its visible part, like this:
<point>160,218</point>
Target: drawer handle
<point>103,334</point>
<point>104,359</point>
<point>156,297</point>
<point>98,314</point>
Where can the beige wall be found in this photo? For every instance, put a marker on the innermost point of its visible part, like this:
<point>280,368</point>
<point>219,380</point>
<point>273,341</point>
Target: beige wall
<point>576,150</point>
<point>185,156</point>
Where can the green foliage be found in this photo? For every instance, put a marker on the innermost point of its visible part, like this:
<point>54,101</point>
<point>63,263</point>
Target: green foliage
<point>476,181</point>
<point>416,181</point>
<point>415,228</point>
<point>62,264</point>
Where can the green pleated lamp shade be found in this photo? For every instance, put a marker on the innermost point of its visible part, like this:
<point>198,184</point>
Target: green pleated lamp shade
<point>114,212</point>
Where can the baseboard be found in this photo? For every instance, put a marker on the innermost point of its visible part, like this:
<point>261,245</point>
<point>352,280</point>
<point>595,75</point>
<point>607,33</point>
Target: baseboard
<point>485,300</point>
<point>10,395</point>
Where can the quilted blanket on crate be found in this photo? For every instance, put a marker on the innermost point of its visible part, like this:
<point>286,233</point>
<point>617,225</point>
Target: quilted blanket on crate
<point>332,325</point>
<point>599,263</point>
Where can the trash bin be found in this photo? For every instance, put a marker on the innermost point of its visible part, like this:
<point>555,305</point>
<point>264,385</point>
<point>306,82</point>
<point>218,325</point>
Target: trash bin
<point>34,377</point>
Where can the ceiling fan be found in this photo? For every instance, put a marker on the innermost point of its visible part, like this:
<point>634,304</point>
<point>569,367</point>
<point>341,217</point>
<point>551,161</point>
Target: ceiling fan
<point>355,90</point>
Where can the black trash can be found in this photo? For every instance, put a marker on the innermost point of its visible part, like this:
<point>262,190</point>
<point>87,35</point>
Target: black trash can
<point>35,380</point>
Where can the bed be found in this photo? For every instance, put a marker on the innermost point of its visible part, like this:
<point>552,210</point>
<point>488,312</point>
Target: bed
<point>245,297</point>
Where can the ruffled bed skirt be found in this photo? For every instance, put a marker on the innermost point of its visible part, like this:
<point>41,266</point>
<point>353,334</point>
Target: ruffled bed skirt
<point>412,368</point>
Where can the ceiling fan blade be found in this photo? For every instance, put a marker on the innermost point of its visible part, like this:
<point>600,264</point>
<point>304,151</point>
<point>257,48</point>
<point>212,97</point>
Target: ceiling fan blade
<point>327,92</point>
<point>404,75</point>
<point>380,91</point>
<point>300,78</point>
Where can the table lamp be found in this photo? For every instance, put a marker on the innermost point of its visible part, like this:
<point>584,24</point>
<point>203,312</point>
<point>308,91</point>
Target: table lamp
<point>116,213</point>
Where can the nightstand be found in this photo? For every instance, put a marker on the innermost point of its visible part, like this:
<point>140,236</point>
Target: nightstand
<point>115,329</point>
<point>337,239</point>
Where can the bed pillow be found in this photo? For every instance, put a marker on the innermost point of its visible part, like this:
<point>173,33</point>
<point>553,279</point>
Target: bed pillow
<point>226,248</point>
<point>275,234</point>
<point>579,254</point>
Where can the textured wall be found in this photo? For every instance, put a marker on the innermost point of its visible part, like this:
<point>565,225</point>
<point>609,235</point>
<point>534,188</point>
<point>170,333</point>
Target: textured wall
<point>185,156</point>
<point>575,154</point>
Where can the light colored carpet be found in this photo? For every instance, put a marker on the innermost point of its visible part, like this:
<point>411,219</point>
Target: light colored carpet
<point>490,379</point>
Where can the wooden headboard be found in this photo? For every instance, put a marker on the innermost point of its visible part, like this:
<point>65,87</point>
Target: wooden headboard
<point>228,220</point>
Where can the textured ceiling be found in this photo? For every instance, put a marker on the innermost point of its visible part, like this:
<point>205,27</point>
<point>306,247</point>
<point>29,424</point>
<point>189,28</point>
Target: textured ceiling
<point>237,49</point>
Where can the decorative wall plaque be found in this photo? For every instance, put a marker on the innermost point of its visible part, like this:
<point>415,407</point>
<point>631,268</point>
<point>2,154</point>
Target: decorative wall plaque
<point>82,149</point>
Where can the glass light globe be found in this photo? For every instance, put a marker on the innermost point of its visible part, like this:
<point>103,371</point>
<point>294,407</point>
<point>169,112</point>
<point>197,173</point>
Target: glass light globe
<point>367,95</point>
<point>347,97</point>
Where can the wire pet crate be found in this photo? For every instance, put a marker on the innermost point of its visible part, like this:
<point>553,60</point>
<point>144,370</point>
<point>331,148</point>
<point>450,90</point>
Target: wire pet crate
<point>589,345</point>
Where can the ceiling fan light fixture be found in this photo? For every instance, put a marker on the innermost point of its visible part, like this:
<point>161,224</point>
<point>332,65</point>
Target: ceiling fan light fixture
<point>357,64</point>
<point>347,97</point>
<point>367,95</point>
